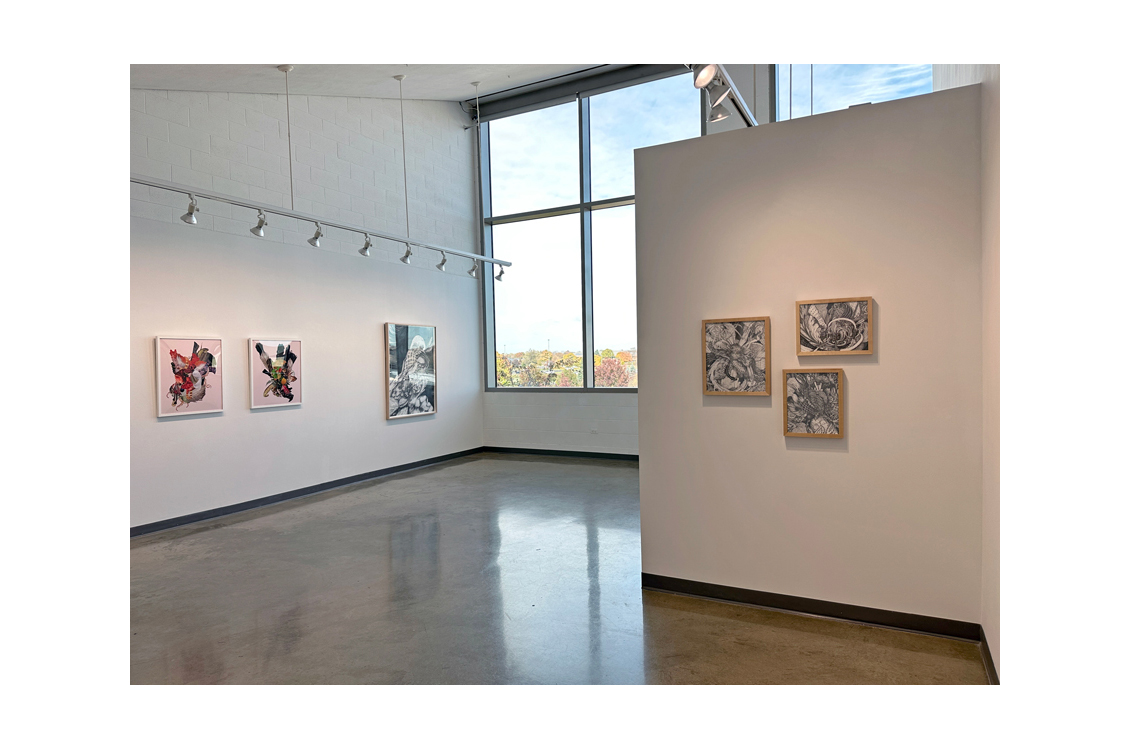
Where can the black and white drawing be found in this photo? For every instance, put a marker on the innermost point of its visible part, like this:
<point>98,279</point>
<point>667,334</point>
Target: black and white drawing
<point>411,359</point>
<point>735,356</point>
<point>835,326</point>
<point>814,403</point>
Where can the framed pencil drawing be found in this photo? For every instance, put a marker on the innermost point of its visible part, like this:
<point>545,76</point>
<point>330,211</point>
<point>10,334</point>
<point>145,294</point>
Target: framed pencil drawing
<point>190,376</point>
<point>410,366</point>
<point>735,357</point>
<point>835,326</point>
<point>814,403</point>
<point>276,372</point>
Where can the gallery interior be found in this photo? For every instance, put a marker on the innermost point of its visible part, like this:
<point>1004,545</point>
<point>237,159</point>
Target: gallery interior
<point>565,374</point>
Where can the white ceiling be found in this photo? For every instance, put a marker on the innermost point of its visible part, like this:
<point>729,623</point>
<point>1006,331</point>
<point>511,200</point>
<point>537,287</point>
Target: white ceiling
<point>444,82</point>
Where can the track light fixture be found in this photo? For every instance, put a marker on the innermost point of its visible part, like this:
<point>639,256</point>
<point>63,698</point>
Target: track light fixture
<point>474,272</point>
<point>704,74</point>
<point>406,259</point>
<point>365,248</point>
<point>190,217</point>
<point>316,240</point>
<point>443,263</point>
<point>717,93</point>
<point>718,113</point>
<point>498,277</point>
<point>257,230</point>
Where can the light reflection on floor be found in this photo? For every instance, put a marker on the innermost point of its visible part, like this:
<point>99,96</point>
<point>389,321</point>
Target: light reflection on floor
<point>489,569</point>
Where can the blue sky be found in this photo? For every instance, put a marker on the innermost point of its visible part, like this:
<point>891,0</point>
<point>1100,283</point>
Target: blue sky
<point>535,164</point>
<point>839,86</point>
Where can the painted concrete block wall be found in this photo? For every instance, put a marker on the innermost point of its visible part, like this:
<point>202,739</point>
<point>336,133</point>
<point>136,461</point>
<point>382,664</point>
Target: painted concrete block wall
<point>347,162</point>
<point>216,279</point>
<point>596,422</point>
<point>949,76</point>
<point>883,201</point>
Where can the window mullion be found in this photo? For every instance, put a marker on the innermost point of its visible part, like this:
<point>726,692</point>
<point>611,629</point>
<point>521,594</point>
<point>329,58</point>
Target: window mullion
<point>487,248</point>
<point>586,239</point>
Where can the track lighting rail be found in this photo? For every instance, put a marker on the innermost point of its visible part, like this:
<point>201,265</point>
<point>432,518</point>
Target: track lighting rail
<point>315,220</point>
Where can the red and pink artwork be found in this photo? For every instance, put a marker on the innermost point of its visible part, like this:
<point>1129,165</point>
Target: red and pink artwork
<point>189,376</point>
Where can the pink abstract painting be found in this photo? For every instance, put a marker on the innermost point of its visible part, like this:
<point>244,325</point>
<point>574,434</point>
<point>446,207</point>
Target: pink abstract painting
<point>276,372</point>
<point>189,376</point>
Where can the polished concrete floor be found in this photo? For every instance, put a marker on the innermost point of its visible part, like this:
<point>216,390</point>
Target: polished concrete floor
<point>488,569</point>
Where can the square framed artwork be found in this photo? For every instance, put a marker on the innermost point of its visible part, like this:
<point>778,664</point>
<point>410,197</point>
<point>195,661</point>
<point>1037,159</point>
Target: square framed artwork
<point>814,403</point>
<point>835,326</point>
<point>735,357</point>
<point>276,372</point>
<point>190,376</point>
<point>410,366</point>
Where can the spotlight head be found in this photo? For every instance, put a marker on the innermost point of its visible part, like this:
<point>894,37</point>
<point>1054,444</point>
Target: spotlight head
<point>190,217</point>
<point>443,263</point>
<point>501,270</point>
<point>717,94</point>
<point>316,240</point>
<point>257,230</point>
<point>704,74</point>
<point>718,113</point>
<point>474,272</point>
<point>406,259</point>
<point>365,248</point>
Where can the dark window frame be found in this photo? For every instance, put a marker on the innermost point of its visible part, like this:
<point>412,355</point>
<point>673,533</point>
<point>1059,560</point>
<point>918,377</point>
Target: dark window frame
<point>580,92</point>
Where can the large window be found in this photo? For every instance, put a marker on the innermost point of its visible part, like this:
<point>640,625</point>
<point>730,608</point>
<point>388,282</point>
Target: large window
<point>812,89</point>
<point>558,196</point>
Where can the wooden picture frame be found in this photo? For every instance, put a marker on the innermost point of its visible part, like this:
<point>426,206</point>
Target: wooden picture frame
<point>259,381</point>
<point>729,375</point>
<point>812,409</point>
<point>202,373</point>
<point>408,395</point>
<point>840,336</point>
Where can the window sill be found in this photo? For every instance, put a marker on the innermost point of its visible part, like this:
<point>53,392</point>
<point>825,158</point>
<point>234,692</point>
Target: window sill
<point>562,390</point>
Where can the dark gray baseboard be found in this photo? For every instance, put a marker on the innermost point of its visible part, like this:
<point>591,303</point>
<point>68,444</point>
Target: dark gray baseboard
<point>565,454</point>
<point>987,657</point>
<point>204,515</point>
<point>968,631</point>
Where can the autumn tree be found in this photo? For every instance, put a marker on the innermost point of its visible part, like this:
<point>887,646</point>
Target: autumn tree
<point>611,373</point>
<point>568,379</point>
<point>502,369</point>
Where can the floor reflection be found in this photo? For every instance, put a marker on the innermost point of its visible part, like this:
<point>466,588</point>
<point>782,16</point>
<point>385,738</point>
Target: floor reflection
<point>570,617</point>
<point>489,569</point>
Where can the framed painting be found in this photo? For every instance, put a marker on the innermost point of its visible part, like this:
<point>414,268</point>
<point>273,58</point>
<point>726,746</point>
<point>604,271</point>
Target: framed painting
<point>835,326</point>
<point>190,376</point>
<point>735,357</point>
<point>410,362</point>
<point>814,403</point>
<point>276,372</point>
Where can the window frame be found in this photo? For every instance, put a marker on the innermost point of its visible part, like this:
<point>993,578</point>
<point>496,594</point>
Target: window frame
<point>580,93</point>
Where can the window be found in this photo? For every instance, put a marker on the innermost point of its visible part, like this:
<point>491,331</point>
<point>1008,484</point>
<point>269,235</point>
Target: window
<point>558,198</point>
<point>812,89</point>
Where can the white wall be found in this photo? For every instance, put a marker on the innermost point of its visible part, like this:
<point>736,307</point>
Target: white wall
<point>216,279</point>
<point>883,201</point>
<point>948,76</point>
<point>597,422</point>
